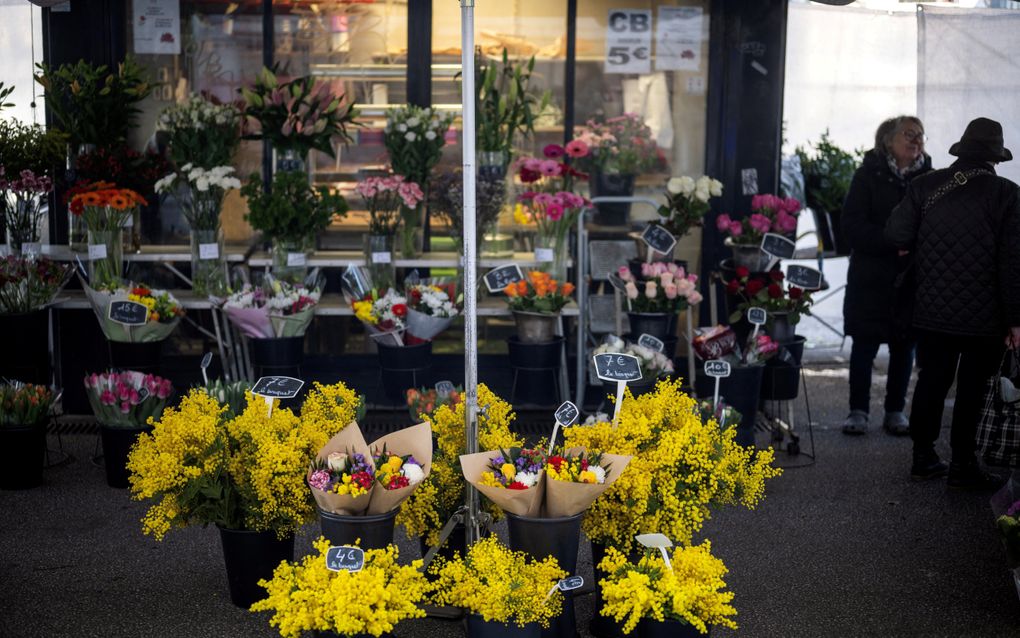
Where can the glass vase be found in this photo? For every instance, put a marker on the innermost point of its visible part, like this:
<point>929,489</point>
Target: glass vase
<point>132,230</point>
<point>77,231</point>
<point>21,220</point>
<point>551,254</point>
<point>208,267</point>
<point>379,260</point>
<point>290,259</point>
<point>412,237</point>
<point>106,258</point>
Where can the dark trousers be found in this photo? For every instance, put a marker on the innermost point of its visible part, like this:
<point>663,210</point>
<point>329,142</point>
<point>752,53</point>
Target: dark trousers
<point>940,358</point>
<point>862,357</point>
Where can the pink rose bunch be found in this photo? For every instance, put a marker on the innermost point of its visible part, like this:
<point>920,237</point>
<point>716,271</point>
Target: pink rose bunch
<point>769,214</point>
<point>663,287</point>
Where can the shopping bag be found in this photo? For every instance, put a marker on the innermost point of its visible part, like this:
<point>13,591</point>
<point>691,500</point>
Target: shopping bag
<point>998,435</point>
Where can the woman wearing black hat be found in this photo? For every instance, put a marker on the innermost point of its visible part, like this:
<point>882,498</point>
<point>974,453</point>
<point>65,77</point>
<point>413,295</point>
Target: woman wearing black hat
<point>868,317</point>
<point>962,225</point>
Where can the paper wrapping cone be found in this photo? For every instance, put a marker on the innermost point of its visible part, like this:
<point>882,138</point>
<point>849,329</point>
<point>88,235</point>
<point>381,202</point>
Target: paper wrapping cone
<point>349,440</point>
<point>426,326</point>
<point>293,325</point>
<point>151,331</point>
<point>416,441</point>
<point>252,322</point>
<point>520,502</point>
<point>566,498</point>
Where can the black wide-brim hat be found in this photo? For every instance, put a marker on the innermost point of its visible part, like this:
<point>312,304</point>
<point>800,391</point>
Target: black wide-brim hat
<point>982,140</point>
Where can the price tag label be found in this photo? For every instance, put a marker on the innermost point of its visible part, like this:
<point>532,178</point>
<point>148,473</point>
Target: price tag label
<point>445,388</point>
<point>297,259</point>
<point>617,282</point>
<point>544,255</point>
<point>650,342</point>
<point>653,541</point>
<point>277,387</point>
<point>615,366</point>
<point>143,393</point>
<point>498,278</point>
<point>567,414</point>
<point>345,559</point>
<point>30,248</point>
<point>717,368</point>
<point>206,360</point>
<point>129,222</point>
<point>629,41</point>
<point>128,313</point>
<point>570,584</point>
<point>757,316</point>
<point>97,251</point>
<point>382,258</point>
<point>777,246</point>
<point>208,251</point>
<point>658,239</point>
<point>804,277</point>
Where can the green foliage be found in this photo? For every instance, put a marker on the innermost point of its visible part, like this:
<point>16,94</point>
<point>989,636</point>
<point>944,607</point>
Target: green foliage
<point>828,171</point>
<point>5,92</point>
<point>506,106</point>
<point>30,147</point>
<point>293,211</point>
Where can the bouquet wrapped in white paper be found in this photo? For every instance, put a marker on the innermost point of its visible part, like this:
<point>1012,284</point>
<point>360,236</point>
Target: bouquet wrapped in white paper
<point>274,309</point>
<point>431,307</point>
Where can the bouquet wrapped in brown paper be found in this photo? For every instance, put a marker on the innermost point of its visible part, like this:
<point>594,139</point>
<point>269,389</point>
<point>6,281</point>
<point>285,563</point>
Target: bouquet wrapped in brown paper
<point>343,474</point>
<point>575,478</point>
<point>511,479</point>
<point>402,460</point>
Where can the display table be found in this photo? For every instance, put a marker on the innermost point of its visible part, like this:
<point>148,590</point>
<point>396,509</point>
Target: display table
<point>344,258</point>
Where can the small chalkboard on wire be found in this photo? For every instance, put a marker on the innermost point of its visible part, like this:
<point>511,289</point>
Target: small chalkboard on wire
<point>500,277</point>
<point>803,277</point>
<point>658,239</point>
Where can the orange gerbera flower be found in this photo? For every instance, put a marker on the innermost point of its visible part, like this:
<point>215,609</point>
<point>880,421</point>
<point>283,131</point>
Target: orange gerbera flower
<point>92,198</point>
<point>119,201</point>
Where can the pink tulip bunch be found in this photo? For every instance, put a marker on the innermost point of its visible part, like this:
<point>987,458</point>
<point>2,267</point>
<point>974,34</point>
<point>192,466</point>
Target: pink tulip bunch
<point>663,287</point>
<point>126,399</point>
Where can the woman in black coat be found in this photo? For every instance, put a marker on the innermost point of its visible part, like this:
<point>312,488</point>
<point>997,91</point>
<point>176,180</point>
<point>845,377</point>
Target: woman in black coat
<point>868,308</point>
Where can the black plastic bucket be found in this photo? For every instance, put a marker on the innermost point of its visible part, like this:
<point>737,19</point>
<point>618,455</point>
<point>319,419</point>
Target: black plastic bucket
<point>22,456</point>
<point>117,444</point>
<point>277,357</point>
<point>741,390</point>
<point>478,627</point>
<point>404,367</point>
<point>250,557</point>
<point>142,357</point>
<point>611,185</point>
<point>366,532</point>
<point>669,628</point>
<point>657,324</point>
<point>27,356</point>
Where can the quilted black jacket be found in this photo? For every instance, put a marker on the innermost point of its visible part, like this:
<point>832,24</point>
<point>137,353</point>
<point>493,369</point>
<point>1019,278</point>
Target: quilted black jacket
<point>967,251</point>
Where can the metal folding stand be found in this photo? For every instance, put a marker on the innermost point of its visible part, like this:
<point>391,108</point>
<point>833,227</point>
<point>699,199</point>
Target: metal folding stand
<point>781,430</point>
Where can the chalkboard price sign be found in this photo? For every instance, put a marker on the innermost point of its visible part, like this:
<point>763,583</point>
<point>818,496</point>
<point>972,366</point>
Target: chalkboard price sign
<point>206,360</point>
<point>445,388</point>
<point>128,313</point>
<point>778,246</point>
<point>498,278</point>
<point>717,368</point>
<point>757,316</point>
<point>567,413</point>
<point>650,342</point>
<point>617,282</point>
<point>143,393</point>
<point>277,387</point>
<point>658,239</point>
<point>345,559</point>
<point>614,366</point>
<point>570,584</point>
<point>806,278</point>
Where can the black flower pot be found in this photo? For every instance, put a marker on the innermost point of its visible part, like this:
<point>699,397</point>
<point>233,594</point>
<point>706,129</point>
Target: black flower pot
<point>601,626</point>
<point>657,324</point>
<point>478,627</point>
<point>249,558</point>
<point>277,357</point>
<point>404,367</point>
<point>556,537</point>
<point>117,444</point>
<point>611,185</point>
<point>22,455</point>
<point>456,543</point>
<point>741,390</point>
<point>780,328</point>
<point>669,628</point>
<point>536,369</point>
<point>366,532</point>
<point>781,378</point>
<point>27,357</point>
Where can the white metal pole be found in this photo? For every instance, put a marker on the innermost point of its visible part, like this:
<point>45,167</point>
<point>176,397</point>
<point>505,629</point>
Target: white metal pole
<point>467,60</point>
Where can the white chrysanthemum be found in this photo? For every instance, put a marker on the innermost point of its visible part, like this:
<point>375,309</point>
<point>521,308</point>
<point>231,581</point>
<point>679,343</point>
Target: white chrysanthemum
<point>414,473</point>
<point>600,473</point>
<point>527,479</point>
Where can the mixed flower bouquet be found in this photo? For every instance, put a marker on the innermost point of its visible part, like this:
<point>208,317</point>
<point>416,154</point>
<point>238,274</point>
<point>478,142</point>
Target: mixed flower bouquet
<point>720,342</point>
<point>621,144</point>
<point>274,309</point>
<point>28,284</point>
<point>512,479</point>
<point>382,315</point>
<point>657,490</point>
<point>431,307</point>
<point>769,214</point>
<point>687,202</point>
<point>299,115</point>
<point>663,287</point>
<point>343,473</point>
<point>539,292</point>
<point>203,132</point>
<point>243,473</point>
<point>164,312</point>
<point>126,399</point>
<point>23,404</point>
<point>653,364</point>
<point>578,477</point>
<point>766,291</point>
<point>422,403</point>
<point>384,197</point>
<point>21,200</point>
<point>689,589</point>
<point>203,192</point>
<point>550,198</point>
<point>306,596</point>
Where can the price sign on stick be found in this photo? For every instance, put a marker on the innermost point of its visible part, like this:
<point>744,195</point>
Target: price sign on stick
<point>758,317</point>
<point>650,342</point>
<point>777,246</point>
<point>498,278</point>
<point>567,584</point>
<point>445,388</point>
<point>618,367</point>
<point>804,277</point>
<point>718,369</point>
<point>658,239</point>
<point>206,360</point>
<point>656,541</point>
<point>128,313</point>
<point>143,394</point>
<point>345,559</point>
<point>617,282</point>
<point>270,388</point>
<point>565,416</point>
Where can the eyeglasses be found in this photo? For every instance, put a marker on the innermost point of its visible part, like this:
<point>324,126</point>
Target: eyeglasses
<point>914,136</point>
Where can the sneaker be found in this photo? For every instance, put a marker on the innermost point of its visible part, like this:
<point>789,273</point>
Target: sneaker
<point>970,476</point>
<point>927,465</point>
<point>856,422</point>
<point>896,423</point>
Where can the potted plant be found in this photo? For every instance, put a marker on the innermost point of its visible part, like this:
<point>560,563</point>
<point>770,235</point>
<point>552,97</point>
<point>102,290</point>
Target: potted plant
<point>655,299</point>
<point>27,286</point>
<point>536,303</point>
<point>307,596</point>
<point>24,415</point>
<point>769,214</point>
<point>506,108</point>
<point>291,214</point>
<point>506,593</point>
<point>828,171</point>
<point>654,365</point>
<point>621,148</point>
<point>123,403</point>
<point>246,475</point>
<point>414,139</point>
<point>687,203</point>
<point>679,599</point>
<point>105,210</point>
<point>385,197</point>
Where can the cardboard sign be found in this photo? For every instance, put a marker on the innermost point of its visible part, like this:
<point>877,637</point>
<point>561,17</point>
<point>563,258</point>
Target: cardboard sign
<point>128,313</point>
<point>570,584</point>
<point>804,277</point>
<point>650,342</point>
<point>717,368</point>
<point>658,239</point>
<point>612,366</point>
<point>445,388</point>
<point>777,246</point>
<point>757,316</point>
<point>567,413</point>
<point>277,387</point>
<point>498,278</point>
<point>345,559</point>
